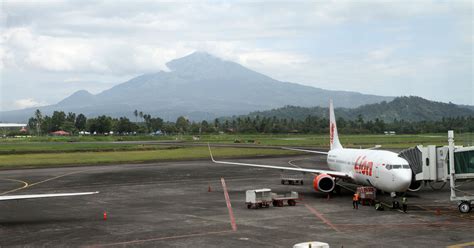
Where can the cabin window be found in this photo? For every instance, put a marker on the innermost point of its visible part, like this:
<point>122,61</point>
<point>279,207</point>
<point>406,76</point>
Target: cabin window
<point>396,166</point>
<point>405,166</point>
<point>427,161</point>
<point>389,167</point>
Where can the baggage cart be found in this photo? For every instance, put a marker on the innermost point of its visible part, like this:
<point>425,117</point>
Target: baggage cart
<point>258,198</point>
<point>366,195</point>
<point>292,178</point>
<point>279,200</point>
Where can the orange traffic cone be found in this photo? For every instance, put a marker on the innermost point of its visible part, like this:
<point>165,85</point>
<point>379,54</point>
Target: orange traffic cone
<point>105,215</point>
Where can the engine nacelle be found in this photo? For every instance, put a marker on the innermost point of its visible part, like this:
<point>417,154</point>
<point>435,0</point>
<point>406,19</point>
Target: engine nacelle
<point>415,186</point>
<point>324,183</point>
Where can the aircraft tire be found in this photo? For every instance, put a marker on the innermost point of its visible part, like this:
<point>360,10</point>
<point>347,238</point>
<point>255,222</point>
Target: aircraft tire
<point>465,207</point>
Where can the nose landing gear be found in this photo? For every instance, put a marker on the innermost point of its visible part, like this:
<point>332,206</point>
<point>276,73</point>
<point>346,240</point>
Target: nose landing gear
<point>395,203</point>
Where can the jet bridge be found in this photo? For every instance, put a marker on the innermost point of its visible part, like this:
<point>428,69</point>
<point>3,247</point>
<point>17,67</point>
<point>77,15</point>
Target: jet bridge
<point>432,165</point>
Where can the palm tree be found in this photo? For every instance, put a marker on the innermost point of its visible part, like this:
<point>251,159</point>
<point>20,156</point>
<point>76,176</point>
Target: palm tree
<point>135,113</point>
<point>141,114</point>
<point>39,119</point>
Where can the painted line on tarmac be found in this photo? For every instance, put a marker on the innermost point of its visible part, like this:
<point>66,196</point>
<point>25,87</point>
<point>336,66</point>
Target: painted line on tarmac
<point>229,206</point>
<point>161,238</point>
<point>468,244</point>
<point>25,185</point>
<point>292,164</point>
<point>56,177</point>
<point>321,217</point>
<point>445,213</point>
<point>405,224</point>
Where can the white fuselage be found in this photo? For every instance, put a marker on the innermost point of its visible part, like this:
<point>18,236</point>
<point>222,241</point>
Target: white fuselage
<point>383,170</point>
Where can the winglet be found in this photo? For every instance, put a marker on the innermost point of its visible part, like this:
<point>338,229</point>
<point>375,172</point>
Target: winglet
<point>210,152</point>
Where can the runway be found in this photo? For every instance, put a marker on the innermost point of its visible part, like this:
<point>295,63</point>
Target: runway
<point>168,205</point>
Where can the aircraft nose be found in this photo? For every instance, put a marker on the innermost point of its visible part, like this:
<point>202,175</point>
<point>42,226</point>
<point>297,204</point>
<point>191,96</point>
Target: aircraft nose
<point>404,180</point>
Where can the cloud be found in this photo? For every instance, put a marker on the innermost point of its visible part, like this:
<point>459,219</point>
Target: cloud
<point>353,45</point>
<point>381,53</point>
<point>28,103</point>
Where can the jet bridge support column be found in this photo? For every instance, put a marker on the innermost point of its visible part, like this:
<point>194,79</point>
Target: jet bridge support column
<point>452,179</point>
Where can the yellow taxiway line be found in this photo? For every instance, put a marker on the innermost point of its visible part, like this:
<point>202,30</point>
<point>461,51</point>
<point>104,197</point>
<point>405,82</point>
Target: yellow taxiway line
<point>469,244</point>
<point>27,185</point>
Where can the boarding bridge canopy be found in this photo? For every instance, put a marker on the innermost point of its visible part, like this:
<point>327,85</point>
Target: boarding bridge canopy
<point>464,161</point>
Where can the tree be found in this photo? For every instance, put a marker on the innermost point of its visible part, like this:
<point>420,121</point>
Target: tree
<point>147,119</point>
<point>360,122</point>
<point>135,113</point>
<point>100,125</point>
<point>57,120</point>
<point>182,124</point>
<point>71,117</point>
<point>155,124</point>
<point>216,123</point>
<point>104,124</point>
<point>32,124</point>
<point>124,125</point>
<point>46,125</point>
<point>205,128</point>
<point>68,126</point>
<point>80,122</point>
<point>39,120</point>
<point>140,114</point>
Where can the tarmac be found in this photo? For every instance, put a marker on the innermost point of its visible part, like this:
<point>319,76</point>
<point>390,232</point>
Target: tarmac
<point>200,204</point>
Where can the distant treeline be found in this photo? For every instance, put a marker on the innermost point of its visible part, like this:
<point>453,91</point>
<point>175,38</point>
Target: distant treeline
<point>145,124</point>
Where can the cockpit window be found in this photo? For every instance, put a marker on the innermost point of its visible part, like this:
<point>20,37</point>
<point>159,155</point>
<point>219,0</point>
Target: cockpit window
<point>397,166</point>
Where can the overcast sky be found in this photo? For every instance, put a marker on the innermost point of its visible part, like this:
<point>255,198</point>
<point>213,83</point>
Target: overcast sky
<point>50,49</point>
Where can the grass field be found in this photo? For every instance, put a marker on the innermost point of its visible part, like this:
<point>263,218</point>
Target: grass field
<point>182,153</point>
<point>57,147</point>
<point>39,151</point>
<point>315,140</point>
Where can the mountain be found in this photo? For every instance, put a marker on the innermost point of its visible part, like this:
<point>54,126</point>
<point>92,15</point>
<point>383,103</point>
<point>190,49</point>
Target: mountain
<point>401,108</point>
<point>199,86</point>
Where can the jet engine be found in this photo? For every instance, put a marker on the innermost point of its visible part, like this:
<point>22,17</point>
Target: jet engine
<point>415,185</point>
<point>324,183</point>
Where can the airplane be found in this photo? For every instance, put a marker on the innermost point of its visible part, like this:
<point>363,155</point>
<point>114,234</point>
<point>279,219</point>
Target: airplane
<point>381,169</point>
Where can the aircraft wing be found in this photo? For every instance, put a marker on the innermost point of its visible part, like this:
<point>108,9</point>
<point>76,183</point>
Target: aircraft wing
<point>329,172</point>
<point>23,197</point>
<point>302,150</point>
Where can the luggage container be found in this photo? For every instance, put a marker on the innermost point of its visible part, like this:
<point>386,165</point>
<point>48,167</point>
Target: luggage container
<point>290,198</point>
<point>367,195</point>
<point>292,178</point>
<point>258,198</point>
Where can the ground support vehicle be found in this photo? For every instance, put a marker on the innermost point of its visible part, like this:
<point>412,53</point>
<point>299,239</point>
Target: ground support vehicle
<point>258,198</point>
<point>279,200</point>
<point>292,178</point>
<point>367,195</point>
